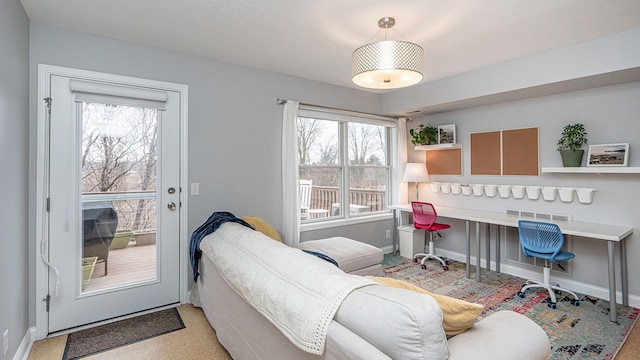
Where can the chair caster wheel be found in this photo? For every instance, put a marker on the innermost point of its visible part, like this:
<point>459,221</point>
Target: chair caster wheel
<point>520,294</point>
<point>552,305</point>
<point>445,268</point>
<point>558,292</point>
<point>447,262</point>
<point>415,260</point>
<point>423,266</point>
<point>575,302</point>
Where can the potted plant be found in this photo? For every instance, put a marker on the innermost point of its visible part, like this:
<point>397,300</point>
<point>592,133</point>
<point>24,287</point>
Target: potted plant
<point>574,136</point>
<point>424,135</point>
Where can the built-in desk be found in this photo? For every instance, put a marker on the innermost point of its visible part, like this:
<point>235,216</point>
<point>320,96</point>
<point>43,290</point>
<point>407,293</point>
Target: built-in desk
<point>611,233</point>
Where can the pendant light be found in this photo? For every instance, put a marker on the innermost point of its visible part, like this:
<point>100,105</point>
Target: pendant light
<point>387,64</point>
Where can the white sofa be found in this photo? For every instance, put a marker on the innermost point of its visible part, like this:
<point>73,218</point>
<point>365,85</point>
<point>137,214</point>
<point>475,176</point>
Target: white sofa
<point>372,322</point>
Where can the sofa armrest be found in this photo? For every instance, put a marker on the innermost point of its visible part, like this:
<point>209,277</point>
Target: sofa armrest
<point>344,344</point>
<point>503,335</point>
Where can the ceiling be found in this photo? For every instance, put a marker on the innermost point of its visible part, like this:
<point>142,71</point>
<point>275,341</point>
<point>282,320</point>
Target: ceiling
<point>315,39</point>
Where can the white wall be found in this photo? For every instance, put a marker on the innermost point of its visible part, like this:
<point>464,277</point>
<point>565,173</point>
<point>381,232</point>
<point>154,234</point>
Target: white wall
<point>610,115</point>
<point>234,121</point>
<point>14,151</point>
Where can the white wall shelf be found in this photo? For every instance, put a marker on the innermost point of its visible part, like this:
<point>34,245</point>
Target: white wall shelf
<point>438,147</point>
<point>592,170</point>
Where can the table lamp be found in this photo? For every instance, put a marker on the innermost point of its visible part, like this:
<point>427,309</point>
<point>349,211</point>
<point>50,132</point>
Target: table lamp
<point>416,172</point>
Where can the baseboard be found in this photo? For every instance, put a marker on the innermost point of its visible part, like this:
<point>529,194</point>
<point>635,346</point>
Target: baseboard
<point>25,345</point>
<point>525,273</point>
<point>387,249</point>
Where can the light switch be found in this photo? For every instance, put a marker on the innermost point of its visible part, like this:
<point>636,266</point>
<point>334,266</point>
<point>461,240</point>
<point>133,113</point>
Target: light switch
<point>195,189</point>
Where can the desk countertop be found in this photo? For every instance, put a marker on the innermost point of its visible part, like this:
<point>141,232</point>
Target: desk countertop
<point>577,228</point>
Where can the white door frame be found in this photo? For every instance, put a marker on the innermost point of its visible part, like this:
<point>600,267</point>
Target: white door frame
<point>41,245</point>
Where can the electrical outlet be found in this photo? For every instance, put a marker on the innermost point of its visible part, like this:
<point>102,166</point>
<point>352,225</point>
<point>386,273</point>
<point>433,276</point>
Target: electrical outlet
<point>5,342</point>
<point>388,233</point>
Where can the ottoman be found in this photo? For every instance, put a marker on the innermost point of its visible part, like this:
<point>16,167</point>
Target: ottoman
<point>353,257</point>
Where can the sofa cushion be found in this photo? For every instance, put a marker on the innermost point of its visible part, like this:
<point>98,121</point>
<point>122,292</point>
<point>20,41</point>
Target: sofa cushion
<point>402,324</point>
<point>458,315</point>
<point>503,335</point>
<point>351,255</point>
<point>263,226</point>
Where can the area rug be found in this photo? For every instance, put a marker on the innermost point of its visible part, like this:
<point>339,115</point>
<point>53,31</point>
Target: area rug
<point>124,332</point>
<point>575,332</point>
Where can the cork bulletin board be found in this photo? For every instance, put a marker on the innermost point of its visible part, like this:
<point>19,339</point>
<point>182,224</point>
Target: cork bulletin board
<point>520,152</point>
<point>505,152</point>
<point>485,153</point>
<point>444,162</point>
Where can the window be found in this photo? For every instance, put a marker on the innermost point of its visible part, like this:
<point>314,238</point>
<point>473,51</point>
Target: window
<point>345,161</point>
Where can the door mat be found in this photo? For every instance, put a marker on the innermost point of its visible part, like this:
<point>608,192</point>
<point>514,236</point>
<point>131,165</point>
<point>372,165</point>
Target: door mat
<point>120,333</point>
<point>575,332</point>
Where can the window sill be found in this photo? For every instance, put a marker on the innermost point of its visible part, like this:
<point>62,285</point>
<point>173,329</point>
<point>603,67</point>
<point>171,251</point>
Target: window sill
<point>344,222</point>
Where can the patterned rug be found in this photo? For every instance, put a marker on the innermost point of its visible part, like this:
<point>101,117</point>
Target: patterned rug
<point>575,332</point>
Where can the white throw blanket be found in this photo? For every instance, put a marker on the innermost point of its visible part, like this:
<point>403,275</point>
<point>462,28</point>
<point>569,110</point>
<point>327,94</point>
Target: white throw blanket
<point>297,292</point>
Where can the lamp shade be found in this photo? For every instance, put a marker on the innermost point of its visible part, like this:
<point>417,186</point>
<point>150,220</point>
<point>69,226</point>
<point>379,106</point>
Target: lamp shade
<point>416,172</point>
<point>387,64</point>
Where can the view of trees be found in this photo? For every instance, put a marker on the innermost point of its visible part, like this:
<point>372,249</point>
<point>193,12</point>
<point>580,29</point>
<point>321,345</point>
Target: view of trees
<point>318,147</point>
<point>119,155</point>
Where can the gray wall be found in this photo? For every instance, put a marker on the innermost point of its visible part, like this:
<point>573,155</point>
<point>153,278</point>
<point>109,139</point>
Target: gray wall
<point>234,122</point>
<point>14,152</point>
<point>234,135</point>
<point>610,115</point>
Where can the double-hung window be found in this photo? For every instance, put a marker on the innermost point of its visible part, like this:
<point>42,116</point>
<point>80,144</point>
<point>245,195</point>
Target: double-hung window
<point>345,164</point>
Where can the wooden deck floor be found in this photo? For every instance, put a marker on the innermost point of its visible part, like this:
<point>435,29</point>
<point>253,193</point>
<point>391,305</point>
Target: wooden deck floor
<point>129,265</point>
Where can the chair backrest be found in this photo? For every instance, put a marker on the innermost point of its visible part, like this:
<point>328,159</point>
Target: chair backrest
<point>424,214</point>
<point>305,194</point>
<point>540,238</point>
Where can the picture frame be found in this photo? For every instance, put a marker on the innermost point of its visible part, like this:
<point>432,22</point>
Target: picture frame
<point>608,155</point>
<point>447,134</point>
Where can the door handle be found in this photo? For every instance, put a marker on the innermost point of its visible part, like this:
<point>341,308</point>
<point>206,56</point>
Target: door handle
<point>171,205</point>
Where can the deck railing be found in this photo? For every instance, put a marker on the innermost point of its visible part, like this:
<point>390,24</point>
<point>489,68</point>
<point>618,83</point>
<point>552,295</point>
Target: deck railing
<point>324,197</point>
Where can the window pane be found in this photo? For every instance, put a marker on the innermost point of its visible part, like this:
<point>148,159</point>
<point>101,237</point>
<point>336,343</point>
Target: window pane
<point>323,200</point>
<point>367,144</point>
<point>368,189</point>
<point>118,148</point>
<point>318,142</point>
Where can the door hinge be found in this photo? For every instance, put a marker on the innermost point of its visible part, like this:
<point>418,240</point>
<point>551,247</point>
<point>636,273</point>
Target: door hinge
<point>48,100</point>
<point>47,300</point>
<point>48,204</point>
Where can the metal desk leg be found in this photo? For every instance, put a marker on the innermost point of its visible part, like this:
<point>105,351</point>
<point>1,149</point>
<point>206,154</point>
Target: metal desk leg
<point>394,238</point>
<point>478,251</point>
<point>488,245</point>
<point>613,312</point>
<point>623,273</point>
<point>467,223</point>
<point>498,248</point>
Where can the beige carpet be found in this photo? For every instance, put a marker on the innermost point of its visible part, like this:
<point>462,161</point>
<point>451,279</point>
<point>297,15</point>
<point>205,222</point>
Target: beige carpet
<point>198,341</point>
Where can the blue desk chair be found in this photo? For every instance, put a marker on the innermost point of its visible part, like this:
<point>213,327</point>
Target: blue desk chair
<point>544,241</point>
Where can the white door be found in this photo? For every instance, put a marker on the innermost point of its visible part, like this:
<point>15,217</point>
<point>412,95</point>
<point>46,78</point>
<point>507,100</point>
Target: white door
<point>114,202</point>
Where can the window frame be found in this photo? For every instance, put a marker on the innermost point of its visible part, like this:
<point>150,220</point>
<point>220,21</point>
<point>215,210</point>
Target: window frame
<point>344,118</point>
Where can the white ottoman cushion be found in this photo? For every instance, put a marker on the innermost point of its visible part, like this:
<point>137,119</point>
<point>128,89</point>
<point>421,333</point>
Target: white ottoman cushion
<point>352,256</point>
